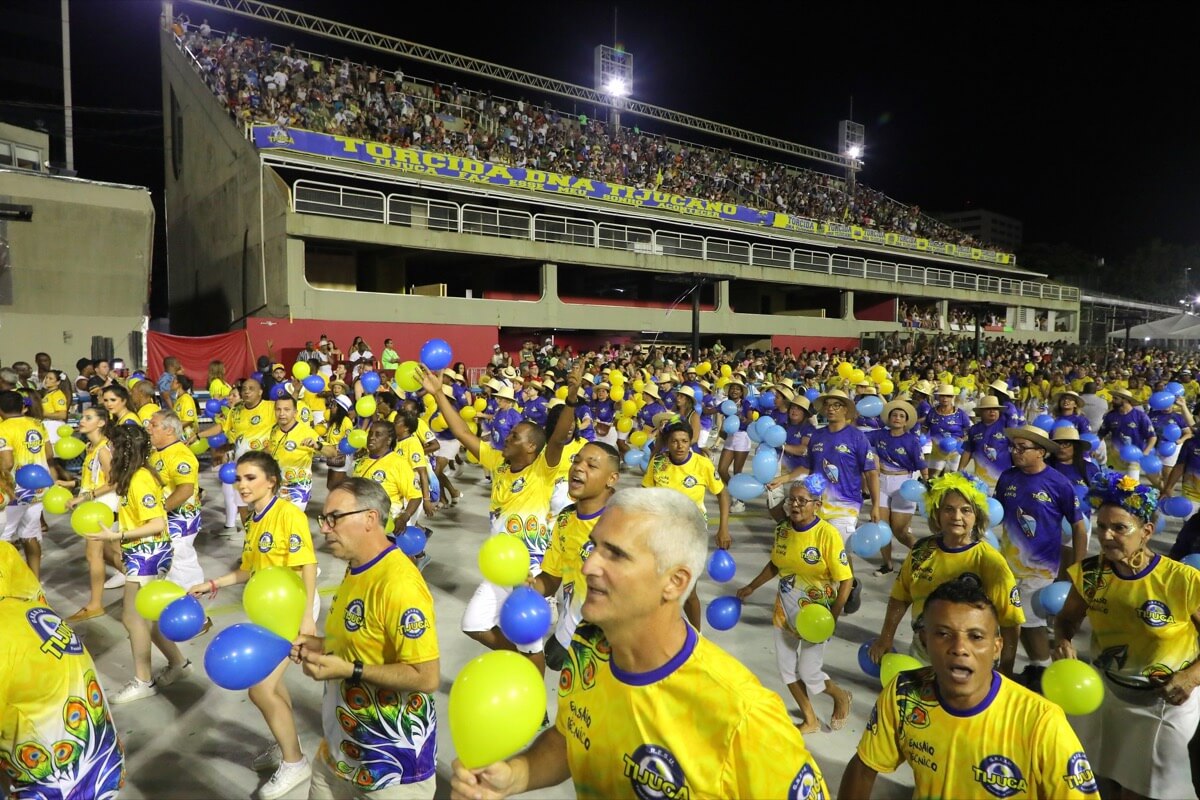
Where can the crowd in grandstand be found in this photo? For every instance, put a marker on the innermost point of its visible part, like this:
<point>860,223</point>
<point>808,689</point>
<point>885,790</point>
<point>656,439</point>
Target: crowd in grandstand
<point>264,83</point>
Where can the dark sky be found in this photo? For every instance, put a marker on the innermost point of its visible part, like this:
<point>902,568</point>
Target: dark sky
<point>1079,121</point>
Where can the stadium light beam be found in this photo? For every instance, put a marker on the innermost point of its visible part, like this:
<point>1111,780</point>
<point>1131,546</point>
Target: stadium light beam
<point>617,88</point>
<point>854,152</point>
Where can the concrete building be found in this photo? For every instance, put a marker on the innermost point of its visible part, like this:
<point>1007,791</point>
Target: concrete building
<point>998,229</point>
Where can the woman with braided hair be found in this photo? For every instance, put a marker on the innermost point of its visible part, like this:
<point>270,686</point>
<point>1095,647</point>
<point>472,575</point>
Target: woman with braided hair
<point>146,553</point>
<point>958,516</point>
<point>1144,610</point>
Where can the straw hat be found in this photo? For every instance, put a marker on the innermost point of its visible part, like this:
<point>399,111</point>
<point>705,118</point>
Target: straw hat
<point>688,391</point>
<point>452,375</point>
<point>785,391</point>
<point>923,387</point>
<point>1067,393</point>
<point>1002,387</point>
<point>509,372</point>
<point>495,385</point>
<point>1070,434</point>
<point>990,402</point>
<point>448,391</point>
<point>788,382</point>
<point>866,388</point>
<point>802,401</point>
<point>1033,434</point>
<point>832,394</point>
<point>554,402</point>
<point>906,407</point>
<point>505,392</point>
<point>946,389</point>
<point>651,390</point>
<point>1123,393</point>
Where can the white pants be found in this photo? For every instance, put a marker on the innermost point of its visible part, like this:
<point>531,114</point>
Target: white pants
<point>22,522</point>
<point>185,567</point>
<point>799,660</point>
<point>483,613</point>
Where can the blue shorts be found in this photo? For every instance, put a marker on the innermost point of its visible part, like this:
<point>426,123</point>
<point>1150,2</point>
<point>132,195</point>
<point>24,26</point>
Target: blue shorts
<point>183,525</point>
<point>147,560</point>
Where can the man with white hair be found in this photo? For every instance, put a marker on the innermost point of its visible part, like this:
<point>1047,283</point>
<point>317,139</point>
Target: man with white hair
<point>635,669</point>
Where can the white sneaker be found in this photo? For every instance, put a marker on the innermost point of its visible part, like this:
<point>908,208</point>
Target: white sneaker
<point>169,674</point>
<point>134,690</point>
<point>286,778</point>
<point>268,759</point>
<point>737,507</point>
<point>115,582</point>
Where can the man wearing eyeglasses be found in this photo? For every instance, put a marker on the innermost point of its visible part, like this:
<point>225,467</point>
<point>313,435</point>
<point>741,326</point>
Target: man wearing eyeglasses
<point>379,659</point>
<point>1036,502</point>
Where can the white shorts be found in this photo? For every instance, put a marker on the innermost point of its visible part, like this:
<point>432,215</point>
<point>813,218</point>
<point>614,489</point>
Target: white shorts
<point>348,467</point>
<point>1028,588</point>
<point>1158,766</point>
<point>483,613</point>
<point>946,462</point>
<point>799,660</point>
<point>889,493</point>
<point>111,499</point>
<point>846,526</point>
<point>705,438</point>
<point>22,522</point>
<point>609,438</point>
<point>738,442</point>
<point>448,449</point>
<point>1170,460</point>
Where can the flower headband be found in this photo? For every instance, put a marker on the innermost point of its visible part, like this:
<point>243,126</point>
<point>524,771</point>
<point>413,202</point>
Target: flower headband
<point>956,482</point>
<point>814,483</point>
<point>1121,490</point>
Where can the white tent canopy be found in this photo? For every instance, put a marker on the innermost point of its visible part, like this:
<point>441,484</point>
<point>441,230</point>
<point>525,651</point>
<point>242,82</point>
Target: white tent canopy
<point>1181,327</point>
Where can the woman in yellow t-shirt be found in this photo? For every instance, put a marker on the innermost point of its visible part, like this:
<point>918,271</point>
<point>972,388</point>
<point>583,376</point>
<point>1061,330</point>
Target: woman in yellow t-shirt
<point>277,535</point>
<point>141,530</point>
<point>185,405</point>
<point>218,388</point>
<point>54,400</point>
<point>95,484</point>
<point>117,402</point>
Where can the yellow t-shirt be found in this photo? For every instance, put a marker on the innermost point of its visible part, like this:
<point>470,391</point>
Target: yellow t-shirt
<point>811,562</point>
<point>930,564</point>
<point>570,545</point>
<point>382,614</point>
<point>26,438</point>
<point>250,428</point>
<point>147,411</point>
<point>185,409</point>
<point>93,476</point>
<point>176,464</point>
<point>57,737</point>
<point>312,407</point>
<point>520,504</point>
<point>295,458</point>
<point>692,477</point>
<point>638,735</point>
<point>277,536</point>
<point>391,472</point>
<point>424,433</point>
<point>140,505</point>
<point>410,450</point>
<point>129,418</point>
<point>54,402</point>
<point>1140,625</point>
<point>1014,744</point>
<point>218,389</point>
<point>335,433</point>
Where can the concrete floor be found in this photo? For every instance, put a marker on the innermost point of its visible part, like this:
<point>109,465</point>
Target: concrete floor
<point>196,740</point>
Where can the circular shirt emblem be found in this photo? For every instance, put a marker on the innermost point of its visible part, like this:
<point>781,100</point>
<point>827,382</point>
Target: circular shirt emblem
<point>264,543</point>
<point>289,445</point>
<point>295,543</point>
<point>56,636</point>
<point>1080,777</point>
<point>1014,597</point>
<point>255,419</point>
<point>378,476</point>
<point>353,616</point>
<point>33,442</point>
<point>806,785</point>
<point>1155,613</point>
<point>654,773</point>
<point>811,555</point>
<point>1000,777</point>
<point>184,469</point>
<point>518,485</point>
<point>149,501</point>
<point>413,624</point>
<point>689,482</point>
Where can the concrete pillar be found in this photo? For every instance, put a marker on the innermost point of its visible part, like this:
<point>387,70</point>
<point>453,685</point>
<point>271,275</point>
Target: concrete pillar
<point>848,305</point>
<point>550,282</point>
<point>943,310</point>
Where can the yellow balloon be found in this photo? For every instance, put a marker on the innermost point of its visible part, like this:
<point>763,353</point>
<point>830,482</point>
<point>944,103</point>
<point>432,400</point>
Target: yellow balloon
<point>275,598</point>
<point>496,706</point>
<point>357,438</point>
<point>480,404</point>
<point>844,369</point>
<point>301,370</point>
<point>617,393</point>
<point>154,596</point>
<point>56,498</point>
<point>726,370</point>
<point>878,373</point>
<point>815,623</point>
<point>504,560</point>
<point>639,385</point>
<point>365,406</point>
<point>407,377</point>
<point>886,386</point>
<point>638,438</point>
<point>91,517</point>
<point>856,376</point>
<point>624,424</point>
<point>438,424</point>
<point>893,663</point>
<point>468,413</point>
<point>703,368</point>
<point>561,393</point>
<point>199,447</point>
<point>722,382</point>
<point>473,426</point>
<point>68,447</point>
<point>629,408</point>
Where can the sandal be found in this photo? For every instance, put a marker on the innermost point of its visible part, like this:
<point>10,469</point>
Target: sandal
<point>836,723</point>
<point>883,570</point>
<point>83,615</point>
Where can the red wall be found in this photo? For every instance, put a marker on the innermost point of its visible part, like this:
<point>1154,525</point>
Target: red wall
<point>877,312</point>
<point>472,344</point>
<point>798,343</point>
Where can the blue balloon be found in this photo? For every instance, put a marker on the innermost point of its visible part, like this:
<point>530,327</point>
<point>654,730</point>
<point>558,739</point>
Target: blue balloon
<point>731,425</point>
<point>314,384</point>
<point>34,477</point>
<point>436,354</point>
<point>948,444</point>
<point>182,619</point>
<point>212,407</point>
<point>745,487</point>
<point>228,473</point>
<point>1151,464</point>
<point>864,659</point>
<point>766,401</point>
<point>729,408</point>
<point>1167,449</point>
<point>1044,421</point>
<point>1175,388</point>
<point>632,457</point>
<point>279,391</point>
<point>869,406</point>
<point>1192,560</point>
<point>1091,439</point>
<point>258,376</point>
<point>812,394</point>
<point>995,512</point>
<point>220,440</point>
<point>721,567</point>
<point>435,489</point>
<point>1062,422</point>
<point>912,490</point>
<point>1171,432</point>
<point>724,612</point>
<point>344,447</point>
<point>525,616</point>
<point>752,432</point>
<point>1161,401</point>
<point>990,538</point>
<point>1053,597</point>
<point>1176,507</point>
<point>776,436</point>
<point>1130,453</point>
<point>244,654</point>
<point>370,381</point>
<point>868,539</point>
<point>765,466</point>
<point>412,540</point>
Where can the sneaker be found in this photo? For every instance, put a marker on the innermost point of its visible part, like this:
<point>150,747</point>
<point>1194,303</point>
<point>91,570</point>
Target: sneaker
<point>854,601</point>
<point>169,674</point>
<point>1031,678</point>
<point>286,778</point>
<point>115,582</point>
<point>883,570</point>
<point>737,507</point>
<point>134,690</point>
<point>268,759</point>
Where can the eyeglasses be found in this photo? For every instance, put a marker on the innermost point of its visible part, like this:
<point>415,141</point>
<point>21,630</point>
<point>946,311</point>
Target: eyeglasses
<point>1014,448</point>
<point>800,501</point>
<point>330,520</point>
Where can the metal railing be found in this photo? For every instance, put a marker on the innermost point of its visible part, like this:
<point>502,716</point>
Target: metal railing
<point>327,199</point>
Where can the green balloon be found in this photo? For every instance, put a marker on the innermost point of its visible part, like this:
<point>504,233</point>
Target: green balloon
<point>1074,685</point>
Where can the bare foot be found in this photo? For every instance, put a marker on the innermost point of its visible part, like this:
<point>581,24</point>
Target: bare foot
<point>813,726</point>
<point>841,708</point>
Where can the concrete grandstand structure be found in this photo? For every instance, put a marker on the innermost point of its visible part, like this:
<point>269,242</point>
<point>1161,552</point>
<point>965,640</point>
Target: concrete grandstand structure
<point>292,233</point>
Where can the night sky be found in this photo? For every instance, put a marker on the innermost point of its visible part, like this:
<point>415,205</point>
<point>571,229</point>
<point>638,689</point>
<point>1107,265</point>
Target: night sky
<point>1077,121</point>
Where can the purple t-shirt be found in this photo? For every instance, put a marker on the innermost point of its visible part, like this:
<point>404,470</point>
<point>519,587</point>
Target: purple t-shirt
<point>795,435</point>
<point>841,458</point>
<point>1133,427</point>
<point>953,425</point>
<point>988,447</point>
<point>897,453</point>
<point>1034,509</point>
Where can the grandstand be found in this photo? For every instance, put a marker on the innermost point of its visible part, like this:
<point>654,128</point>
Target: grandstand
<point>314,190</point>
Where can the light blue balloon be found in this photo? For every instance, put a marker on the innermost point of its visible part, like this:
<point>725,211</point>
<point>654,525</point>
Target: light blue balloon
<point>752,432</point>
<point>1053,597</point>
<point>990,538</point>
<point>995,512</point>
<point>867,540</point>
<point>731,425</point>
<point>729,408</point>
<point>912,490</point>
<point>765,465</point>
<point>870,406</point>
<point>745,487</point>
<point>775,436</point>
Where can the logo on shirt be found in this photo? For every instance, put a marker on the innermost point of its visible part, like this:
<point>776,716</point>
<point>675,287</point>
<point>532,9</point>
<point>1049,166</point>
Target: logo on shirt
<point>1014,597</point>
<point>843,449</point>
<point>416,457</point>
<point>912,711</point>
<point>1155,613</point>
<point>378,476</point>
<point>295,543</point>
<point>149,501</point>
<point>352,618</point>
<point>33,442</point>
<point>518,485</point>
<point>255,419</point>
<point>811,555</point>
<point>265,542</point>
<point>413,624</point>
<point>843,559</point>
<point>289,445</point>
<point>654,773</point>
<point>57,637</point>
<point>1079,775</point>
<point>689,482</point>
<point>1042,497</point>
<point>1000,777</point>
<point>806,785</point>
<point>182,469</point>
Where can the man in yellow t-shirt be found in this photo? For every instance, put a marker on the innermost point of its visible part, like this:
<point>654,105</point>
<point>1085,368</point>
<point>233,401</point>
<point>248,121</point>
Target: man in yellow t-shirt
<point>23,442</point>
<point>636,673</point>
<point>185,404</point>
<point>967,731</point>
<point>141,397</point>
<point>179,470</point>
<point>379,658</point>
<point>293,444</point>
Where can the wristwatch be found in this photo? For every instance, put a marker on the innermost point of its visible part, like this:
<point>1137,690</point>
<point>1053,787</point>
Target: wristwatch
<point>356,676</point>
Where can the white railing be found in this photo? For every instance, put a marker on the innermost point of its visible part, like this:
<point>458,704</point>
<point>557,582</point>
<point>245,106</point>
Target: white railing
<point>328,199</point>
